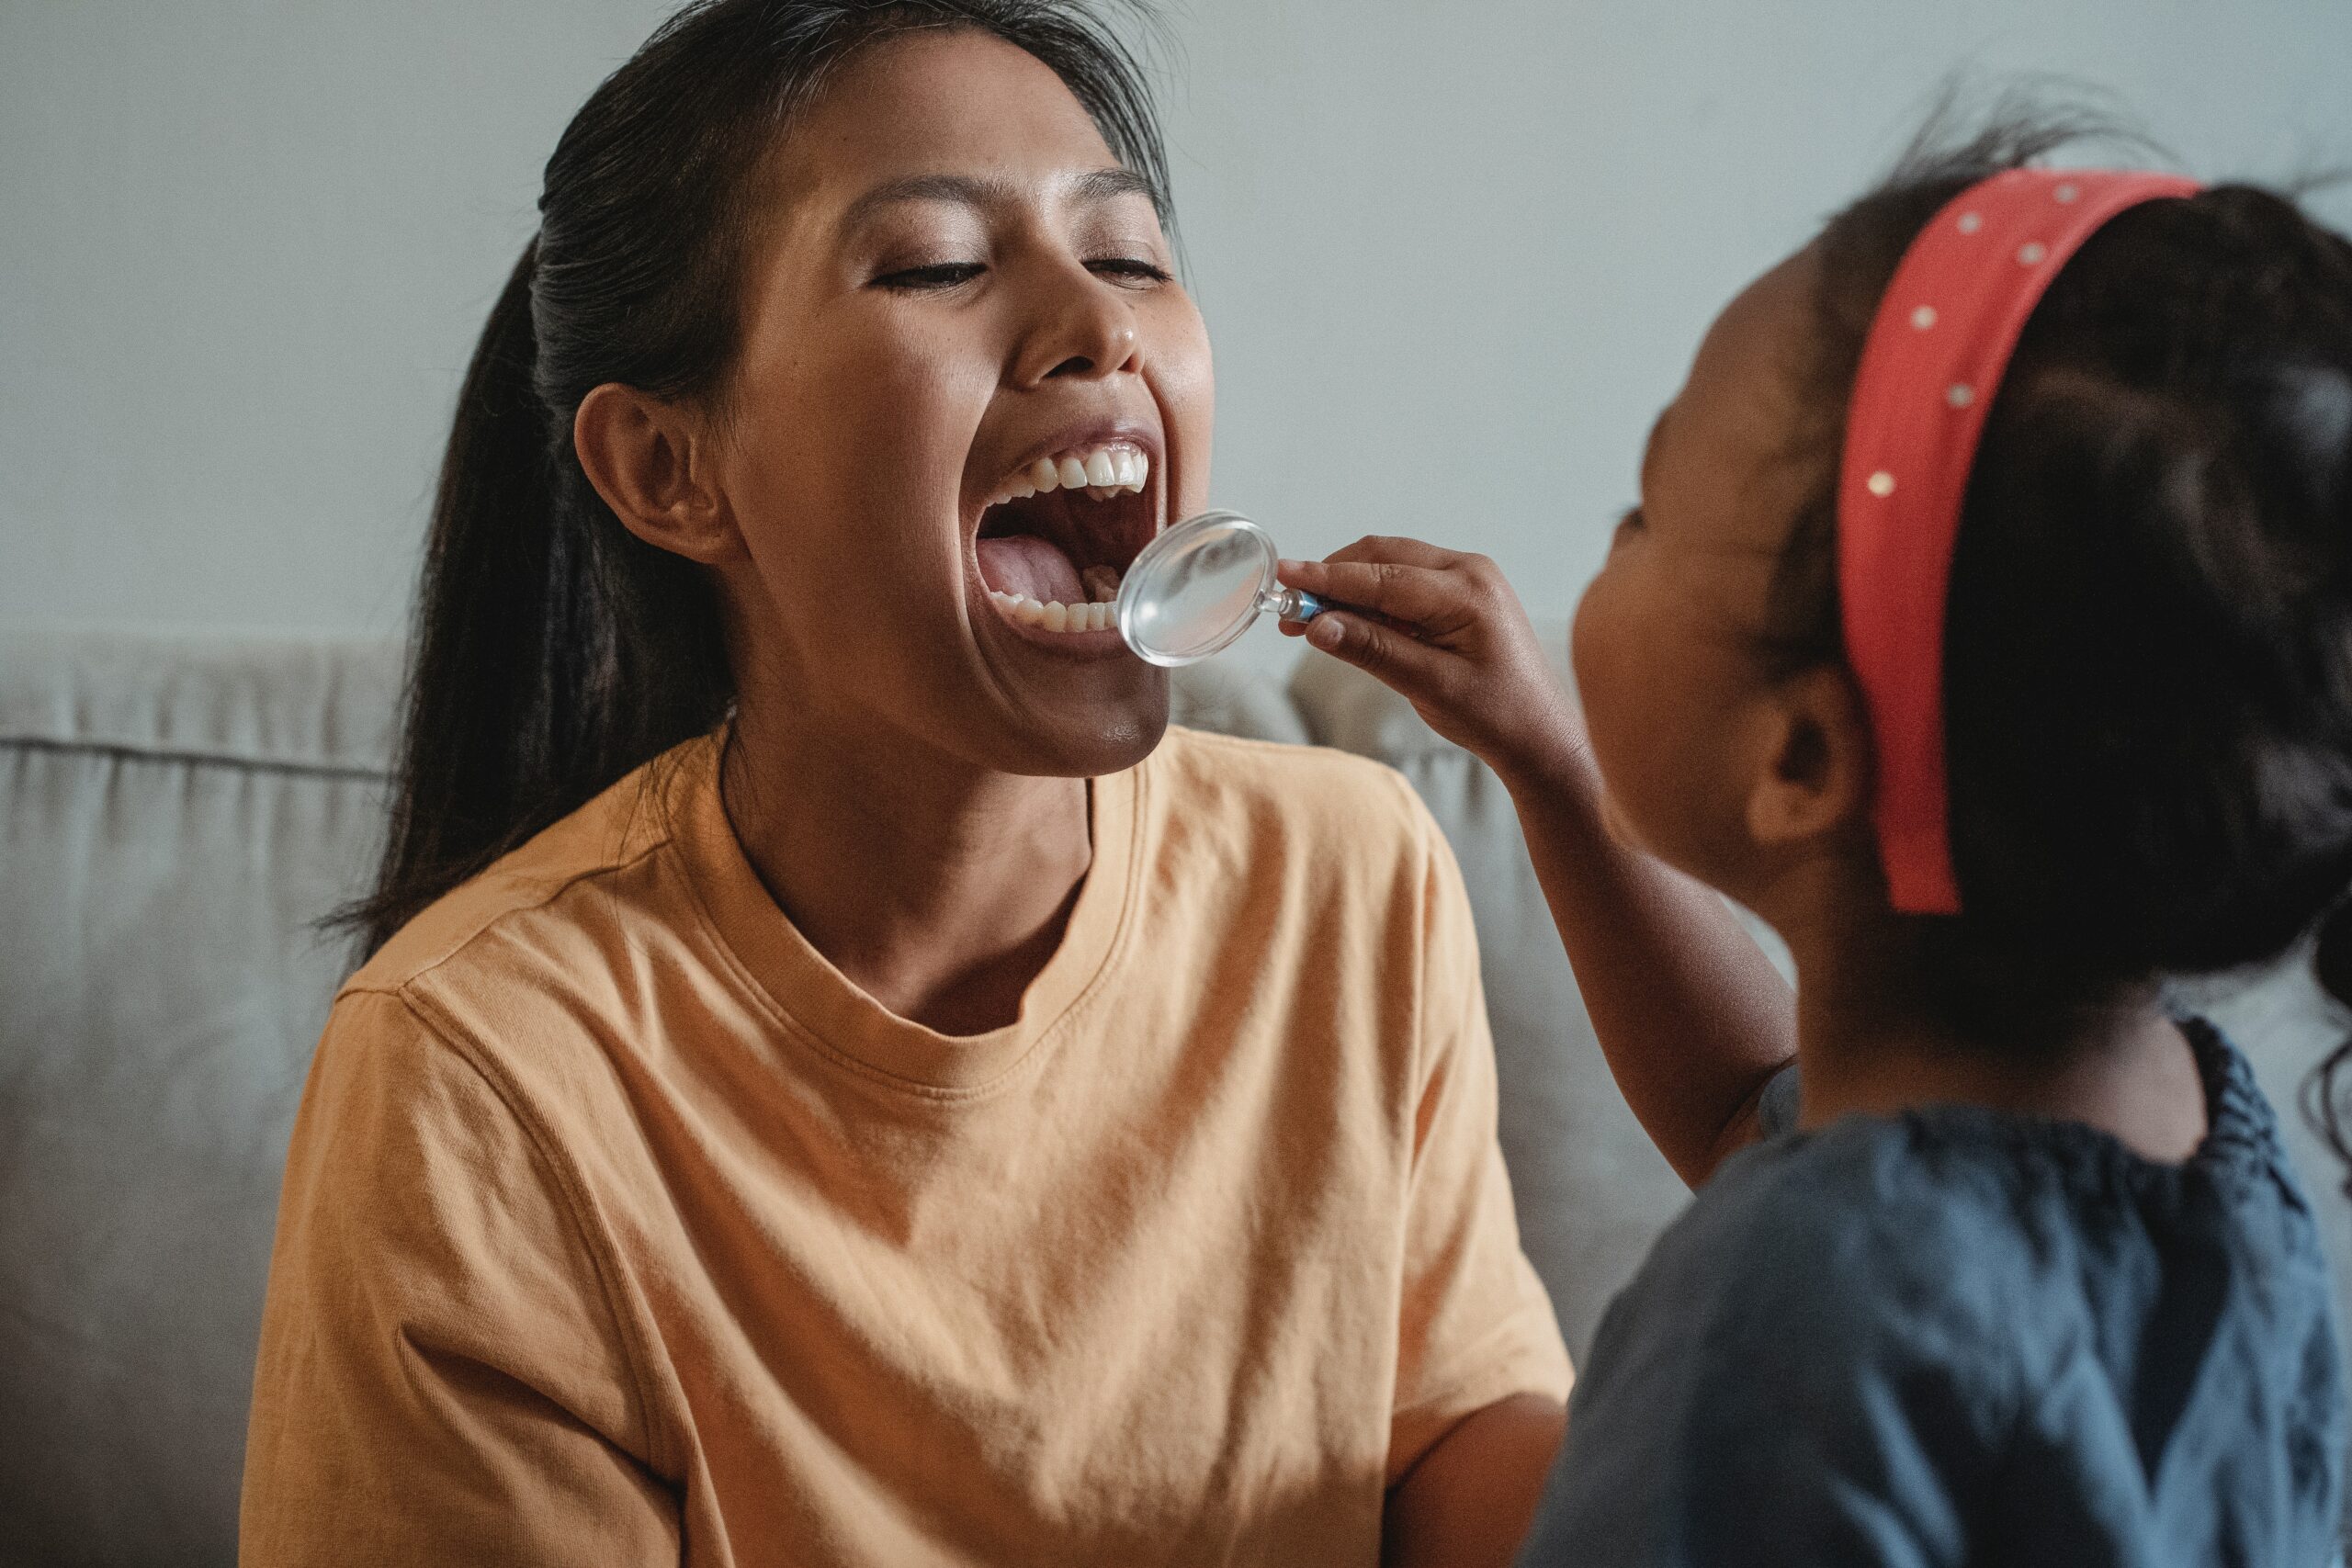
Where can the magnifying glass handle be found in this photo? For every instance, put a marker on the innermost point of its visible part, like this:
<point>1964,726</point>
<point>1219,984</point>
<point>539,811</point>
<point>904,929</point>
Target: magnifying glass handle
<point>1290,604</point>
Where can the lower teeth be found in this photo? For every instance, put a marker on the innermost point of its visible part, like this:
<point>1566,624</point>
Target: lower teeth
<point>1101,584</point>
<point>1056,617</point>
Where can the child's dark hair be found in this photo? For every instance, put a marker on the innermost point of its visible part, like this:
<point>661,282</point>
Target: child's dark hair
<point>553,652</point>
<point>2148,665</point>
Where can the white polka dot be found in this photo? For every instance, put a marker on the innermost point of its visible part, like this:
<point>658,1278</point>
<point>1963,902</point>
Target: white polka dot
<point>1924,317</point>
<point>2033,255</point>
<point>1960,394</point>
<point>1971,221</point>
<point>1882,484</point>
<point>2066,193</point>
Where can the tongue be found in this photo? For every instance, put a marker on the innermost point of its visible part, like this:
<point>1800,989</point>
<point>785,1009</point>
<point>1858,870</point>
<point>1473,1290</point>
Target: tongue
<point>1025,564</point>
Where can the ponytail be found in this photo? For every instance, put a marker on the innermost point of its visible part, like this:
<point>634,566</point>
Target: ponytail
<point>552,650</point>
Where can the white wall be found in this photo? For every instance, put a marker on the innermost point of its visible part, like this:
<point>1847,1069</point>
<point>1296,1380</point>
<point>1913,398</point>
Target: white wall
<point>1453,254</point>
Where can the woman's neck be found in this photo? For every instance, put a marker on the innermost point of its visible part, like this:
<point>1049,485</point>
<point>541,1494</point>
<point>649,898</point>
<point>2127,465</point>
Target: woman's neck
<point>1868,1043</point>
<point>938,888</point>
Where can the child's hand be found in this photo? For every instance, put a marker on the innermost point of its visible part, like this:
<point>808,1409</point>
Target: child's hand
<point>1694,1019</point>
<point>1447,633</point>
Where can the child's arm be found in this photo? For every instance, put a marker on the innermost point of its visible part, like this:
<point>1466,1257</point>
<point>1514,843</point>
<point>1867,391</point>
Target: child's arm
<point>1691,1016</point>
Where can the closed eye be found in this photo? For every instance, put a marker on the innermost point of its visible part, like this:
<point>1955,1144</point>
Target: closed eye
<point>940,275</point>
<point>1133,270</point>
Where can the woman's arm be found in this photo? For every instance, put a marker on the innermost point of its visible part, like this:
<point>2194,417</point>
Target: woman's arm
<point>1468,1501</point>
<point>440,1378</point>
<point>1693,1017</point>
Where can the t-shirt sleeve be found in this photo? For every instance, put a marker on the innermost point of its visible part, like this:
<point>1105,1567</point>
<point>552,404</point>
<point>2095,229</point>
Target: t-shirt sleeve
<point>442,1377</point>
<point>1477,1324</point>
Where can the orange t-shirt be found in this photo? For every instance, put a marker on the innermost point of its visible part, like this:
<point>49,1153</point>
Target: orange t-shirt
<point>620,1228</point>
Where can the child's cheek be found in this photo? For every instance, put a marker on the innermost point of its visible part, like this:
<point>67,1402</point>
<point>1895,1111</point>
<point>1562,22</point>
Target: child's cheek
<point>1597,657</point>
<point>1614,650</point>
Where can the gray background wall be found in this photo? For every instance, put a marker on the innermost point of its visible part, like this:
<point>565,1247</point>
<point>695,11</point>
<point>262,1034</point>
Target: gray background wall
<point>1453,256</point>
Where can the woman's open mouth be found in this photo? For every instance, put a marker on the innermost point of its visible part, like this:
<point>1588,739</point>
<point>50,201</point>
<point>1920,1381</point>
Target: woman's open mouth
<point>1057,541</point>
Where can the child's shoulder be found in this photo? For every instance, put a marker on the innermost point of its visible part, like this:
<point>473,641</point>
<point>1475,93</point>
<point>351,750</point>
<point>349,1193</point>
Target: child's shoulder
<point>1876,1253</point>
<point>1961,1237</point>
<point>1816,1304</point>
<point>1882,1310</point>
<point>1861,1230</point>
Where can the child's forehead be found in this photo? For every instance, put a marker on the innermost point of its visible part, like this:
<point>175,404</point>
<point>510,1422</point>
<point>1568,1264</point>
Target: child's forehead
<point>1750,367</point>
<point>1730,440</point>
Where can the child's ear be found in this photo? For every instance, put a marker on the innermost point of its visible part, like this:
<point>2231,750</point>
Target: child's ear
<point>1814,775</point>
<point>651,459</point>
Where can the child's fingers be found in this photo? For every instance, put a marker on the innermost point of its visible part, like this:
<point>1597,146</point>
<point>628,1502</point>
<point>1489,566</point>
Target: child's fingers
<point>1415,596</point>
<point>1390,655</point>
<point>1404,552</point>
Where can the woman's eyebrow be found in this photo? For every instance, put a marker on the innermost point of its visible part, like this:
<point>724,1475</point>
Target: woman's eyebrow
<point>1091,188</point>
<point>1109,185</point>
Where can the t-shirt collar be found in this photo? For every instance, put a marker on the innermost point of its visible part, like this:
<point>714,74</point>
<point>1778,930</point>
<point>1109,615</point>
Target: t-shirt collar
<point>840,1019</point>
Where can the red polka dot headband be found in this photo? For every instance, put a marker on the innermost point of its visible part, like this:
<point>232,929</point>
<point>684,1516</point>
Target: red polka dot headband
<point>1935,356</point>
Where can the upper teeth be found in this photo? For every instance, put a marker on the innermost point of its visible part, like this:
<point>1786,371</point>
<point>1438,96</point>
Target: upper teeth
<point>1105,472</point>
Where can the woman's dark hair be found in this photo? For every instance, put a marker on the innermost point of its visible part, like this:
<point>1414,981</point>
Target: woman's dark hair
<point>2148,664</point>
<point>553,652</point>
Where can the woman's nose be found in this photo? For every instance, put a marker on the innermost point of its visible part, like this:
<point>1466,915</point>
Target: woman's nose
<point>1085,331</point>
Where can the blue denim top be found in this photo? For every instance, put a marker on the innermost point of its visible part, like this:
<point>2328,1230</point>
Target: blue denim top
<point>1958,1337</point>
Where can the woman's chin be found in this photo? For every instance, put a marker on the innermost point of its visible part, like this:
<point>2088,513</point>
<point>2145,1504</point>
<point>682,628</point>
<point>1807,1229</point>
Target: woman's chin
<point>1092,733</point>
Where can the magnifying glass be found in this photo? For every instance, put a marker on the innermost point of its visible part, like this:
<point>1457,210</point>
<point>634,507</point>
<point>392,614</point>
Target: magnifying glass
<point>1196,588</point>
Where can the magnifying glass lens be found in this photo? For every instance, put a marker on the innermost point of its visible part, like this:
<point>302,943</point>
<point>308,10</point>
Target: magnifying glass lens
<point>1196,588</point>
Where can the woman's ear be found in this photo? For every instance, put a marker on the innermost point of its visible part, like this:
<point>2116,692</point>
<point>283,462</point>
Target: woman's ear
<point>1815,776</point>
<point>650,460</point>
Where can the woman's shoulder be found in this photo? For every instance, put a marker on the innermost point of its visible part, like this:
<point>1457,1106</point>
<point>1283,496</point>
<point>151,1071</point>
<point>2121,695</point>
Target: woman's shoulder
<point>537,908</point>
<point>1326,831</point>
<point>509,991</point>
<point>1313,790</point>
